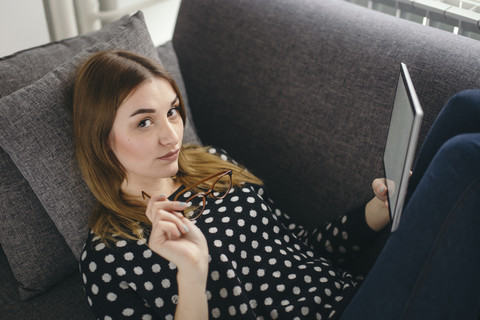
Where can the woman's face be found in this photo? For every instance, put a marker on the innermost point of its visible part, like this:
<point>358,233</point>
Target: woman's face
<point>147,132</point>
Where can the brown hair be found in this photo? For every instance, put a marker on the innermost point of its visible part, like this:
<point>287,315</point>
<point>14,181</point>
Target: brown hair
<point>102,83</point>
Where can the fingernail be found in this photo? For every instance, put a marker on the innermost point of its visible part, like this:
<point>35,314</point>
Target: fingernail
<point>186,228</point>
<point>382,190</point>
<point>183,204</point>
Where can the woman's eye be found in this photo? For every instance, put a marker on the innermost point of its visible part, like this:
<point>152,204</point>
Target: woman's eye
<point>172,113</point>
<point>144,123</point>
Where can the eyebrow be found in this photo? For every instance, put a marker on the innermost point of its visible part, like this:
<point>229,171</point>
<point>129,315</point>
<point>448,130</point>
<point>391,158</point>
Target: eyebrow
<point>145,110</point>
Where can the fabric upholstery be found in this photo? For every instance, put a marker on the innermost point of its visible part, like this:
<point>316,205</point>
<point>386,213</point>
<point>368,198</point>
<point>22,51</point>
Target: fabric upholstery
<point>300,91</point>
<point>36,133</point>
<point>36,250</point>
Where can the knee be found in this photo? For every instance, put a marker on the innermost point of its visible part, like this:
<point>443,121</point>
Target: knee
<point>462,150</point>
<point>466,99</point>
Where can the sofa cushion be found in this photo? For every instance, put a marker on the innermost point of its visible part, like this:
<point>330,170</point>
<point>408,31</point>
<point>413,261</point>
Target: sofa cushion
<point>23,220</point>
<point>36,133</point>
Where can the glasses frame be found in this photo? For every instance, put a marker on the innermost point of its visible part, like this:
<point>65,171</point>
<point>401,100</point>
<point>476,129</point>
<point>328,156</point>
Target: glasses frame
<point>210,192</point>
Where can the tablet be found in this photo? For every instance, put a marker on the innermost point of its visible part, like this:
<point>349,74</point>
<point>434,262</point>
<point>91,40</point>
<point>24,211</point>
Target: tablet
<point>403,132</point>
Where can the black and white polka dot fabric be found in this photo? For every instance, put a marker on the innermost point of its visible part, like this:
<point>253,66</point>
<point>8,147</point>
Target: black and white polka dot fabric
<point>262,265</point>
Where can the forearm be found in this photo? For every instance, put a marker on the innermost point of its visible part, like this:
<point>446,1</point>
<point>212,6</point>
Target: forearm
<point>376,214</point>
<point>192,298</point>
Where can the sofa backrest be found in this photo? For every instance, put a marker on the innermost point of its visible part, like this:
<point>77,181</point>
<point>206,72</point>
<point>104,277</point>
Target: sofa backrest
<point>300,91</point>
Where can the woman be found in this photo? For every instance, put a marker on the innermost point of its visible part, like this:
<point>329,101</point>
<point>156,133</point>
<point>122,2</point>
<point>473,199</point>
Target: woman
<point>240,258</point>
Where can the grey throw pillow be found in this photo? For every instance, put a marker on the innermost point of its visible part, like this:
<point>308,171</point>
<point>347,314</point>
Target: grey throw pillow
<point>36,133</point>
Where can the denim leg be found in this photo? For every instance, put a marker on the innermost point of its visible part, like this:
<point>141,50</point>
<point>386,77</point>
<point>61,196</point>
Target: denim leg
<point>430,267</point>
<point>460,115</point>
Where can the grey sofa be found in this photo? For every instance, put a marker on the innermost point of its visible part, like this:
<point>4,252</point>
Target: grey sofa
<point>299,91</point>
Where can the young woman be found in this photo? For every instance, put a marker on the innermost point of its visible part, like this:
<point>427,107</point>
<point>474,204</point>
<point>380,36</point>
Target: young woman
<point>183,232</point>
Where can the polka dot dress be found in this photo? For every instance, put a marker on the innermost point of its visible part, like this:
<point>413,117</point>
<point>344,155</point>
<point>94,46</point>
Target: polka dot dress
<point>262,265</point>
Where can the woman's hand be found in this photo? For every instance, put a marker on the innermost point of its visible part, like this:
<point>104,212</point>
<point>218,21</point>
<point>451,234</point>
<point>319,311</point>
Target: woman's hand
<point>376,210</point>
<point>380,190</point>
<point>178,240</point>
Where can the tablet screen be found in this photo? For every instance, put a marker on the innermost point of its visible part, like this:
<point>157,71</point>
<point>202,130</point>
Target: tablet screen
<point>401,143</point>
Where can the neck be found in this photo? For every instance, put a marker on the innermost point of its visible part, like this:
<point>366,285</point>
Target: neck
<point>165,186</point>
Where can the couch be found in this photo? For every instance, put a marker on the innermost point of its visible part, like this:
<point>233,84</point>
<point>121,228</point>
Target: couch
<point>299,91</point>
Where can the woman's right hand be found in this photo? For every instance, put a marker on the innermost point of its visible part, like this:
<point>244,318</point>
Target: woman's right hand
<point>180,241</point>
<point>176,238</point>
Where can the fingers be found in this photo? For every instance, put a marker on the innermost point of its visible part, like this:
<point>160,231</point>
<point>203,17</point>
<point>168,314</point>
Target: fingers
<point>165,214</point>
<point>379,188</point>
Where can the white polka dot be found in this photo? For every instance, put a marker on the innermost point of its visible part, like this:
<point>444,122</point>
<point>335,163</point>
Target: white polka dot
<point>89,301</point>
<point>268,249</point>
<point>328,292</point>
<point>94,289</point>
<point>100,246</point>
<point>241,222</point>
<point>147,317</point>
<point>92,266</point>
<point>289,308</point>
<point>159,302</point>
<point>109,258</point>
<point>307,279</point>
<point>226,219</point>
<point>254,244</point>
<point>250,199</point>
<point>268,301</point>
<point>209,220</point>
<point>147,253</point>
<point>237,290</point>
<point>121,243</point>
<point>148,286</point>
<point>127,312</point>
<point>305,311</point>
<point>138,270</point>
<point>272,261</point>
<point>277,274</point>
<point>253,228</point>
<point>166,283</point>
<point>156,268</point>
<point>245,270</point>
<point>141,242</point>
<point>217,243</point>
<point>128,256</point>
<point>123,285</point>
<point>223,293</point>
<point>223,258</point>
<point>111,296</point>
<point>215,275</point>
<point>222,209</point>
<point>257,258</point>
<point>280,288</point>
<point>243,308</point>
<point>216,313</point>
<point>234,199</point>
<point>230,273</point>
<point>106,277</point>
<point>265,221</point>
<point>238,209</point>
<point>84,255</point>
<point>133,286</point>
<point>213,230</point>
<point>260,272</point>
<point>232,311</point>
<point>229,232</point>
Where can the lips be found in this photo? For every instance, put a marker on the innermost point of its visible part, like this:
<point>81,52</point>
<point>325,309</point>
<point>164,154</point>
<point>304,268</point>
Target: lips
<point>172,155</point>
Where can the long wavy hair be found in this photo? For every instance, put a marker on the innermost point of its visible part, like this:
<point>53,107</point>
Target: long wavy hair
<point>102,83</point>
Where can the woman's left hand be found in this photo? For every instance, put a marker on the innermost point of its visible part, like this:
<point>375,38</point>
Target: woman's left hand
<point>380,190</point>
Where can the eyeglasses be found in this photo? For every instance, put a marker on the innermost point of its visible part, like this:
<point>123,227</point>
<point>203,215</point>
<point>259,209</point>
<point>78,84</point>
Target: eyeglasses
<point>197,201</point>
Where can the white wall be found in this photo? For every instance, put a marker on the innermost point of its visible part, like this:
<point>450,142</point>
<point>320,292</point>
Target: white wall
<point>23,24</point>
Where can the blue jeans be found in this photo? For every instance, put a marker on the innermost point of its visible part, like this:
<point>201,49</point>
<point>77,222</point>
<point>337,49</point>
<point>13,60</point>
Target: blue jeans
<point>430,267</point>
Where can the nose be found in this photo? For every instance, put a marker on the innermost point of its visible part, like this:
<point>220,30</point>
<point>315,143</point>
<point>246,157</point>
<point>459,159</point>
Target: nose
<point>168,134</point>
